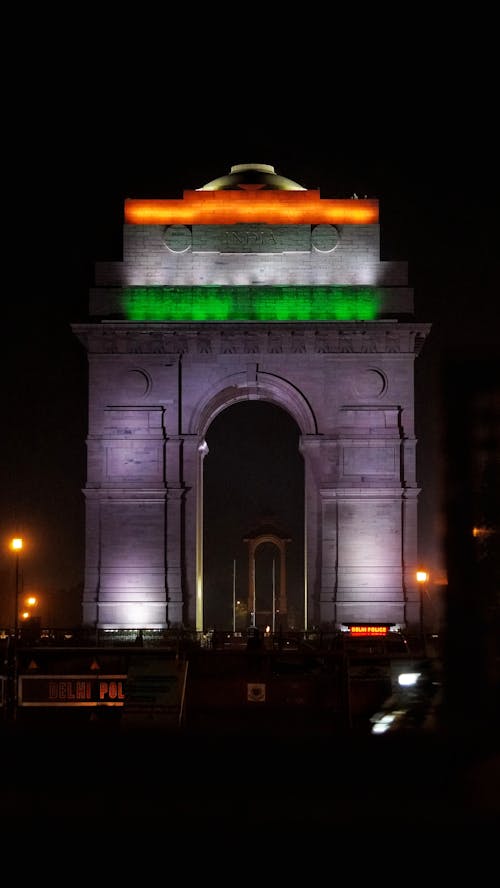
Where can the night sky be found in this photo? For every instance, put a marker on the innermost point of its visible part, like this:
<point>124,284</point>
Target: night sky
<point>436,210</point>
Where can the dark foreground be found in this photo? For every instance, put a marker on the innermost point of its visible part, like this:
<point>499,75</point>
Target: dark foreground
<point>246,782</point>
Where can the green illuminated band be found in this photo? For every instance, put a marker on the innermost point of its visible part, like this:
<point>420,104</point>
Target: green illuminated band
<point>224,303</point>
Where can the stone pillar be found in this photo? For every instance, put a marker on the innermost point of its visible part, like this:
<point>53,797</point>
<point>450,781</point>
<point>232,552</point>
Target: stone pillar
<point>174,521</point>
<point>191,545</point>
<point>310,448</point>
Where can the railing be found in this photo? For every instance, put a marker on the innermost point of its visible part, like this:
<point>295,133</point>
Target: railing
<point>212,639</point>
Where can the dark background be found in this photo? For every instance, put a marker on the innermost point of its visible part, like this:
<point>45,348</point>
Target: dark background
<point>438,211</point>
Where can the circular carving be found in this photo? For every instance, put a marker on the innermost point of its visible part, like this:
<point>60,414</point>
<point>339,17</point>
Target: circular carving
<point>177,238</point>
<point>136,383</point>
<point>370,383</point>
<point>325,238</point>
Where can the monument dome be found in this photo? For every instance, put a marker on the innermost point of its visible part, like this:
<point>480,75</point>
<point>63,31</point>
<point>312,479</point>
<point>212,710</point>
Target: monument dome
<point>252,176</point>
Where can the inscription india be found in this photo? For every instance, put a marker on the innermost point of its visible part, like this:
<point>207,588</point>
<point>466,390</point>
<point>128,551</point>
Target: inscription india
<point>251,238</point>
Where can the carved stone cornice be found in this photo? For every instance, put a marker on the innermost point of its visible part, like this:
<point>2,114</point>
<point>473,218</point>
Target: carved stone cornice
<point>372,337</point>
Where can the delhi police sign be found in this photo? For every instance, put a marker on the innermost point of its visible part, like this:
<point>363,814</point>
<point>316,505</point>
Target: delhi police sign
<point>71,690</point>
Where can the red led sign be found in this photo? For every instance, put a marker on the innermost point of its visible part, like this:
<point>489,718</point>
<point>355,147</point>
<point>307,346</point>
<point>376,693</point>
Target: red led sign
<point>363,631</point>
<point>72,690</point>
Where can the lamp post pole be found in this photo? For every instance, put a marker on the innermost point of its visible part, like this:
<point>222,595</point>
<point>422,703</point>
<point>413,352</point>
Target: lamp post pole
<point>16,630</point>
<point>274,599</point>
<point>16,546</point>
<point>16,603</point>
<point>422,579</point>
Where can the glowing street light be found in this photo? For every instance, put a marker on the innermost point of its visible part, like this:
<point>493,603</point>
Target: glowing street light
<point>30,601</point>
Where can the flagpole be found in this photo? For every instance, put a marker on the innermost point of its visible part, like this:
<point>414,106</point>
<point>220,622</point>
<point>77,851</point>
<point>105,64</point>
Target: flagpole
<point>274,599</point>
<point>234,595</point>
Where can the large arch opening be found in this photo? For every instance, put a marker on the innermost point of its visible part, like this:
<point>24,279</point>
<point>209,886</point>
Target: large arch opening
<point>253,477</point>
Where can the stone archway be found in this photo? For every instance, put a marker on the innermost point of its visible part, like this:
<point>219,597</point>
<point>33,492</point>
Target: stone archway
<point>274,396</point>
<point>253,385</point>
<point>280,601</point>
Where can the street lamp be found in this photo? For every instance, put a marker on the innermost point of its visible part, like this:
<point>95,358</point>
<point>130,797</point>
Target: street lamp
<point>16,544</point>
<point>422,580</point>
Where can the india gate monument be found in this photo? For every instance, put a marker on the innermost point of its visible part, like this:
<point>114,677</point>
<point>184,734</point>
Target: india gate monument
<point>250,287</point>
